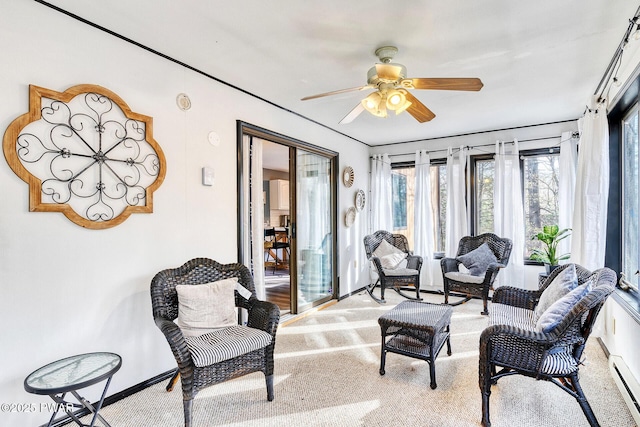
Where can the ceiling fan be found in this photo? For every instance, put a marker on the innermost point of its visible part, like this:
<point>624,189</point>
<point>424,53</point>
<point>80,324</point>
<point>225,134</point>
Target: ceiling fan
<point>392,89</point>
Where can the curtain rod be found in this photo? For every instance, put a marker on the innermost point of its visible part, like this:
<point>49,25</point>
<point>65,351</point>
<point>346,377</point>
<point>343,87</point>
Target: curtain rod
<point>471,147</point>
<point>616,60</point>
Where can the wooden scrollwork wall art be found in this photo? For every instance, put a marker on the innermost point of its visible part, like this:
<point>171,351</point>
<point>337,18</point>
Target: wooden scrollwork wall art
<point>84,153</point>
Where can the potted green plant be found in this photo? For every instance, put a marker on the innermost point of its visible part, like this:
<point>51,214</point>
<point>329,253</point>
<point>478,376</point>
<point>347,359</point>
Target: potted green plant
<point>550,236</point>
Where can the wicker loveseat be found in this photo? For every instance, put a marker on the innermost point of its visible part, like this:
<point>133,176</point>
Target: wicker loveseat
<point>263,319</point>
<point>515,342</point>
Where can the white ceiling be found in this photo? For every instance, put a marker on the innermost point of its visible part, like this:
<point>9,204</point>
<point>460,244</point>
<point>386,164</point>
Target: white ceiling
<point>540,61</point>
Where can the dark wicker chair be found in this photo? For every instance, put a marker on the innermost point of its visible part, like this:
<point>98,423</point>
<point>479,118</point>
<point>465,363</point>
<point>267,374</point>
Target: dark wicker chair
<point>553,356</point>
<point>397,278</point>
<point>261,315</point>
<point>471,286</point>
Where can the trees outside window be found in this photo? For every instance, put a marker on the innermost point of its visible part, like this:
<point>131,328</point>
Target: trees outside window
<point>485,170</point>
<point>540,196</point>
<point>403,182</point>
<point>540,193</point>
<point>630,198</point>
<point>540,199</point>
<point>401,200</point>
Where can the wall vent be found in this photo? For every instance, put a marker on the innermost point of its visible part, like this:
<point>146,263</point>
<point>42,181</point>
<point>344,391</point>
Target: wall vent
<point>628,385</point>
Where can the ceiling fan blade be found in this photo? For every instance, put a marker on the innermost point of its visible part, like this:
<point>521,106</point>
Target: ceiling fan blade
<point>336,92</point>
<point>352,114</point>
<point>418,110</point>
<point>388,71</point>
<point>472,84</point>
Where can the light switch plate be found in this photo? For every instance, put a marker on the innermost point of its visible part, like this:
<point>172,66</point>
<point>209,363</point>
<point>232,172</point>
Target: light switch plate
<point>207,176</point>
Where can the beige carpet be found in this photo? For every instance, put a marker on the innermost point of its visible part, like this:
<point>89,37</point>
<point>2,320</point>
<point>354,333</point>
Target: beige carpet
<point>327,375</point>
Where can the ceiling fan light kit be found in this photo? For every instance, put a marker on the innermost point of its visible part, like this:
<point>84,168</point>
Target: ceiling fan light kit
<point>377,103</point>
<point>391,83</point>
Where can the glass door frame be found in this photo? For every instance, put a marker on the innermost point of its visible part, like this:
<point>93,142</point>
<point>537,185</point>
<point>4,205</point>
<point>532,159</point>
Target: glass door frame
<point>244,128</point>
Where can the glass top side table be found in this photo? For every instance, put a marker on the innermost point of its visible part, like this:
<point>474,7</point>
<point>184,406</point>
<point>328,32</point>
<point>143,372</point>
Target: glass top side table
<point>71,374</point>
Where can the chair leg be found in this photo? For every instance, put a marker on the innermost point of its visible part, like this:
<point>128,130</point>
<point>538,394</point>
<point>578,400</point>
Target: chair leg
<point>173,380</point>
<point>486,369</point>
<point>582,400</point>
<point>485,409</point>
<point>485,312</point>
<point>188,406</point>
<point>269,380</point>
<point>370,288</point>
<point>275,260</point>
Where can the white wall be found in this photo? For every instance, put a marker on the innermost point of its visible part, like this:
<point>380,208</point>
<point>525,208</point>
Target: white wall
<point>69,290</point>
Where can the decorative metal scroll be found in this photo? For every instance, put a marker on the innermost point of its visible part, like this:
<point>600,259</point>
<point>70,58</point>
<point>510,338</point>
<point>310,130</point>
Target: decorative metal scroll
<point>84,153</point>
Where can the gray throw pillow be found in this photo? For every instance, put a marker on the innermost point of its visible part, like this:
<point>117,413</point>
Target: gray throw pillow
<point>478,260</point>
<point>562,284</point>
<point>553,315</point>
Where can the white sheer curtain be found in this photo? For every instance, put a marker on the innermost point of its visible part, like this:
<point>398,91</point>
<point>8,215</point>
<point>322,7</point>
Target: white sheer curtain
<point>313,190</point>
<point>592,189</point>
<point>381,193</point>
<point>508,211</point>
<point>457,225</point>
<point>253,217</point>
<point>567,186</point>
<point>423,216</point>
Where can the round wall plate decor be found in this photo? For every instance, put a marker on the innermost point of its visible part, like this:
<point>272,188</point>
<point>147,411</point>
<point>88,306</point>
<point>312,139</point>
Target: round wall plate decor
<point>360,200</point>
<point>183,101</point>
<point>348,176</point>
<point>350,216</point>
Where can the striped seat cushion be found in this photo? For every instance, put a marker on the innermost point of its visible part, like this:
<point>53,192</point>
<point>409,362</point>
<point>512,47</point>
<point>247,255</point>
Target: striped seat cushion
<point>225,343</point>
<point>503,314</point>
<point>559,362</point>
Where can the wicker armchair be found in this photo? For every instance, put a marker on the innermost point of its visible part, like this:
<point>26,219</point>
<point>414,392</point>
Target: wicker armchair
<point>467,284</point>
<point>262,315</point>
<point>553,356</point>
<point>395,278</point>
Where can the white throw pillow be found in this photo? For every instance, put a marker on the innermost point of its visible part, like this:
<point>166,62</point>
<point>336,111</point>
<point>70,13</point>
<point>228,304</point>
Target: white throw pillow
<point>393,261</point>
<point>386,248</point>
<point>207,307</point>
<point>390,257</point>
<point>562,284</point>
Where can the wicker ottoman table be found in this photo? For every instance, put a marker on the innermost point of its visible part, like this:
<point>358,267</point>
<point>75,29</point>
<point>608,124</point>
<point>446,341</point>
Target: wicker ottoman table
<point>416,329</point>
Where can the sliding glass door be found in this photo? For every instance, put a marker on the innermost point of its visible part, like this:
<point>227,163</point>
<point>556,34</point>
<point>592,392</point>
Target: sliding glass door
<point>307,223</point>
<point>313,228</point>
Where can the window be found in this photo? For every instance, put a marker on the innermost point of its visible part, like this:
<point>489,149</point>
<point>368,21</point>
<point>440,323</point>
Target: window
<point>403,182</point>
<point>539,169</point>
<point>484,195</point>
<point>399,182</point>
<point>630,198</point>
<point>540,197</point>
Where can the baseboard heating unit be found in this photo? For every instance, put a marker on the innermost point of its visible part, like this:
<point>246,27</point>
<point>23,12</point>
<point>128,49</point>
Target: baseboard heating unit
<point>628,385</point>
